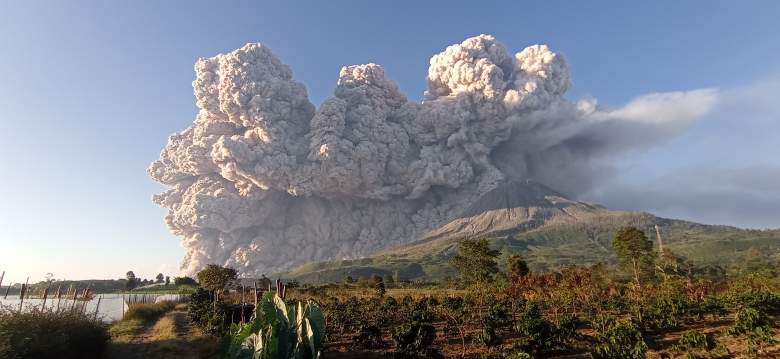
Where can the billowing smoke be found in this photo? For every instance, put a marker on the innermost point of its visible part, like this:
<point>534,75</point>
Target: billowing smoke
<point>263,180</point>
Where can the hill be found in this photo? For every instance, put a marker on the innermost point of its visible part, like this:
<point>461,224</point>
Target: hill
<point>550,232</point>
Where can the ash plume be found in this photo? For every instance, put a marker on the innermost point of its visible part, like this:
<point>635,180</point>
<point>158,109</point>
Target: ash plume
<point>263,180</point>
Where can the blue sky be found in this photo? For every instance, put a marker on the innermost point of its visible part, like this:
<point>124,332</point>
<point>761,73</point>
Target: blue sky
<point>89,92</point>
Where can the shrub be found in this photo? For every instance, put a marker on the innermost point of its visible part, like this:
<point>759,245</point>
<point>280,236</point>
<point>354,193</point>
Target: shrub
<point>49,334</point>
<point>416,336</point>
<point>755,325</point>
<point>369,336</point>
<point>541,334</point>
<point>694,339</point>
<point>208,316</point>
<point>619,340</point>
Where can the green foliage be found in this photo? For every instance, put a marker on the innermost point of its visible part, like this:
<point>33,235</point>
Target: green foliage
<point>147,312</point>
<point>694,339</point>
<point>216,278</point>
<point>633,249</point>
<point>416,336</point>
<point>516,266</point>
<point>755,325</point>
<point>279,331</point>
<point>518,355</point>
<point>475,260</point>
<point>206,313</point>
<point>496,317</point>
<point>618,339</point>
<point>184,281</point>
<point>540,334</point>
<point>369,336</point>
<point>50,334</point>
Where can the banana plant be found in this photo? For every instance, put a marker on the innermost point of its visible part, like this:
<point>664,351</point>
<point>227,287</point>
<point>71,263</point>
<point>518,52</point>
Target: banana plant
<point>279,331</point>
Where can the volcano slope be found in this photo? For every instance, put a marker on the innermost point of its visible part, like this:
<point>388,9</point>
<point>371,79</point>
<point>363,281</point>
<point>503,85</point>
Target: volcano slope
<point>549,231</point>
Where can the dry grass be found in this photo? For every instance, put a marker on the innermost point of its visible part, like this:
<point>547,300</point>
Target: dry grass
<point>124,330</point>
<point>164,329</point>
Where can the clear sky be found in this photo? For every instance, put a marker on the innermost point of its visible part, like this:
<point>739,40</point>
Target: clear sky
<point>89,92</point>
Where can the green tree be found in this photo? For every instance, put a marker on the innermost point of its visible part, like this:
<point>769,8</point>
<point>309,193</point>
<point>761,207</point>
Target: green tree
<point>516,266</point>
<point>160,278</point>
<point>184,281</point>
<point>634,250</point>
<point>132,282</point>
<point>215,278</point>
<point>475,260</point>
<point>167,280</point>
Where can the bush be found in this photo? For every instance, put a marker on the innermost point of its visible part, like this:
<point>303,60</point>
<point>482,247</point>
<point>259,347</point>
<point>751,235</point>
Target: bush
<point>416,336</point>
<point>208,317</point>
<point>619,340</point>
<point>755,325</point>
<point>49,334</point>
<point>541,334</point>
<point>148,312</point>
<point>694,339</point>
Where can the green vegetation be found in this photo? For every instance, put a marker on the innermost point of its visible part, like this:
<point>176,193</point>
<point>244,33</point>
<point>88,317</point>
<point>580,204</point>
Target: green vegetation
<point>555,246</point>
<point>215,278</point>
<point>279,331</point>
<point>493,305</point>
<point>148,312</point>
<point>50,334</point>
<point>475,260</point>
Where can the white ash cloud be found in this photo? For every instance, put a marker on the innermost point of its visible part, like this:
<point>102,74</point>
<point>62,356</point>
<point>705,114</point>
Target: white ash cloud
<point>263,180</point>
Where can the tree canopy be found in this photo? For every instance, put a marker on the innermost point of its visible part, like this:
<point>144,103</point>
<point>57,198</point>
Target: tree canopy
<point>215,277</point>
<point>475,260</point>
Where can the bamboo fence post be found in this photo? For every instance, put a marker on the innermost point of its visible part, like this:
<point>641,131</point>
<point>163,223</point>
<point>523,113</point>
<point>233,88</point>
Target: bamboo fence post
<point>98,306</point>
<point>45,295</point>
<point>2,276</point>
<point>59,296</point>
<point>7,289</point>
<point>21,297</point>
<point>75,295</point>
<point>254,288</point>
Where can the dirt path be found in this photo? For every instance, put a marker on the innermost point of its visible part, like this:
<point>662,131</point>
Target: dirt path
<point>171,337</point>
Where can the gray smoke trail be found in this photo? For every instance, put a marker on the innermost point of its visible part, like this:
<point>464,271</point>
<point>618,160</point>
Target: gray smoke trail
<point>263,181</point>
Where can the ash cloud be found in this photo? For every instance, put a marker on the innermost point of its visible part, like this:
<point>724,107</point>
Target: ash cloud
<point>263,180</point>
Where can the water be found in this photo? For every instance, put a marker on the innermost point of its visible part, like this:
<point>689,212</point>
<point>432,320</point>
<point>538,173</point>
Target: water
<point>111,305</point>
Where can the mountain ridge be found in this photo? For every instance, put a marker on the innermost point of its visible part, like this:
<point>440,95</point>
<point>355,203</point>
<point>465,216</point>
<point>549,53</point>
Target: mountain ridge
<point>549,230</point>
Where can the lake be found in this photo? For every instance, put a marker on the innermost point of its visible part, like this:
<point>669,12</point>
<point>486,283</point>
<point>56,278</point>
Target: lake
<point>111,305</point>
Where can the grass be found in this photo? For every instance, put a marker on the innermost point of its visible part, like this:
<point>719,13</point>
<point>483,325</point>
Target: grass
<point>148,312</point>
<point>124,330</point>
<point>44,334</point>
<point>165,328</point>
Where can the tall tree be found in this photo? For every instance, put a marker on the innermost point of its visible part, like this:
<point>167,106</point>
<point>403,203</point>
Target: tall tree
<point>475,260</point>
<point>633,249</point>
<point>160,278</point>
<point>132,282</point>
<point>215,278</point>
